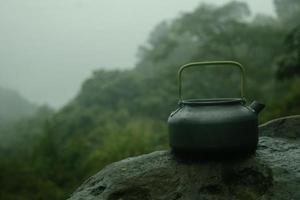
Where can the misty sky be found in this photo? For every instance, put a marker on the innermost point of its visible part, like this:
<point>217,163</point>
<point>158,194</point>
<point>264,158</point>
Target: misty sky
<point>48,47</point>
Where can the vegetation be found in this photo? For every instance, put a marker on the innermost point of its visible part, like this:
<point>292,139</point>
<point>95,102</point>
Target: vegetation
<point>118,114</point>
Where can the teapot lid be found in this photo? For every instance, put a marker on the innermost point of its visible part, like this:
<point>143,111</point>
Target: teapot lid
<point>214,101</point>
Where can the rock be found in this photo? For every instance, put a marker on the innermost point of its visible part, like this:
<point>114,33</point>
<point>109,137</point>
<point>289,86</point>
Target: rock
<point>273,173</point>
<point>285,127</point>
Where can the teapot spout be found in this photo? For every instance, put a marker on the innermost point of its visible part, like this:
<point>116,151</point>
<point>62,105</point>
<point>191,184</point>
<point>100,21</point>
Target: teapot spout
<point>257,107</point>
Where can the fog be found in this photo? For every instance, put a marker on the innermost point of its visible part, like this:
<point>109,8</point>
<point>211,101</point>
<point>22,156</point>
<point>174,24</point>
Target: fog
<point>48,48</point>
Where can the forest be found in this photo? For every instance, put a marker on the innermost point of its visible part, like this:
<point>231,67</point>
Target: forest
<point>122,113</point>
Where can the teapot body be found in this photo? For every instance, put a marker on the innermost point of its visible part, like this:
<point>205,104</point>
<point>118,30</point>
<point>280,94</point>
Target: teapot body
<point>213,126</point>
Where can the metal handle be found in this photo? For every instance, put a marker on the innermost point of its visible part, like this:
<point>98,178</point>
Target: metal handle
<point>194,64</point>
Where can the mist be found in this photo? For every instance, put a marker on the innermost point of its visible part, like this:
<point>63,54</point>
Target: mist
<point>86,83</point>
<point>48,48</point>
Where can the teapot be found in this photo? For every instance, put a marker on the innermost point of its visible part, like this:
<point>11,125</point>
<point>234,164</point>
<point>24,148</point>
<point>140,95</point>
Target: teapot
<point>214,126</point>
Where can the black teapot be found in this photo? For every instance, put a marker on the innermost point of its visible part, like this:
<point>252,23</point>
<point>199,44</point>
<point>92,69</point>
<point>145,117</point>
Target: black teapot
<point>214,126</point>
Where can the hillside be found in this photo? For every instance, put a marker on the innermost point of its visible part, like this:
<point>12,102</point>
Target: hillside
<point>13,106</point>
<point>118,114</point>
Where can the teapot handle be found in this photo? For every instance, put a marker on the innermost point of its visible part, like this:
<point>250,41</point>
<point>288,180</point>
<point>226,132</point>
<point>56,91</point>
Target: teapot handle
<point>194,64</point>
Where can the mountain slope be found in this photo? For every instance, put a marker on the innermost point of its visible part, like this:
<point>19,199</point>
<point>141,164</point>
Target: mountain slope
<point>13,106</point>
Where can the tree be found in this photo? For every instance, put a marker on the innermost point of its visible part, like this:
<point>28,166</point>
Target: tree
<point>288,12</point>
<point>289,62</point>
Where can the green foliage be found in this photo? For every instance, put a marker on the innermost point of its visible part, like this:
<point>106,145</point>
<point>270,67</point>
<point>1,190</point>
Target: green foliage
<point>288,12</point>
<point>290,102</point>
<point>25,131</point>
<point>136,137</point>
<point>118,114</point>
<point>289,62</point>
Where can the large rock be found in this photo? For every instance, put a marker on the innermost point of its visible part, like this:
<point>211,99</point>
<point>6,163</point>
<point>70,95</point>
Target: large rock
<point>285,127</point>
<point>273,173</point>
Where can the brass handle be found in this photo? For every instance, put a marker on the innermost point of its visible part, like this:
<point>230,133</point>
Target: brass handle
<point>194,64</point>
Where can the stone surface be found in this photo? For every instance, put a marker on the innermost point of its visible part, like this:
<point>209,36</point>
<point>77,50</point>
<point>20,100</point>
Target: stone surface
<point>273,173</point>
<point>285,127</point>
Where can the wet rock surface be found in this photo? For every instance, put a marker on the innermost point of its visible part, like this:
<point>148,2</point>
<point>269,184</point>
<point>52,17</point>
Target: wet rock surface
<point>286,127</point>
<point>272,173</point>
